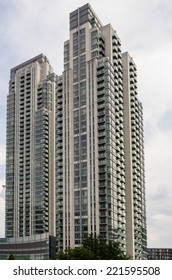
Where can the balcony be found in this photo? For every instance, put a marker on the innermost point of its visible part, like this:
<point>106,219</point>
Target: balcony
<point>101,127</point>
<point>101,120</point>
<point>102,162</point>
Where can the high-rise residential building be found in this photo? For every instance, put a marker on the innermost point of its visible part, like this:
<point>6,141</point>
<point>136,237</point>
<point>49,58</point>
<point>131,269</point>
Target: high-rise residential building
<point>100,185</point>
<point>75,148</point>
<point>30,149</point>
<point>134,160</point>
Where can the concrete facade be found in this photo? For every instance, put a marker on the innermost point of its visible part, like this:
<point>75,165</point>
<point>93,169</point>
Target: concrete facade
<point>75,145</point>
<point>30,149</point>
<point>98,190</point>
<point>134,161</point>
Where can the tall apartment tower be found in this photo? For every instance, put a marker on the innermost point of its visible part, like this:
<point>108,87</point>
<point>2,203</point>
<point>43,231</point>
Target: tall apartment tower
<point>99,140</point>
<point>30,154</point>
<point>134,160</point>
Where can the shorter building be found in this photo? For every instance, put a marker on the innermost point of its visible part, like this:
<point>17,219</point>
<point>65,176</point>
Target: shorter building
<point>35,247</point>
<point>159,253</point>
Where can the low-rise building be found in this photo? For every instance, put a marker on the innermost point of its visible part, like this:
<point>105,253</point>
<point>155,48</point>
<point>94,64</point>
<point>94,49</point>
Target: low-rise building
<point>159,253</point>
<point>35,247</point>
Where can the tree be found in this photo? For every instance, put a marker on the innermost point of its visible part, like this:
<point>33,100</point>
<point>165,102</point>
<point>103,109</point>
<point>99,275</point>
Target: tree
<point>78,253</point>
<point>93,244</point>
<point>94,248</point>
<point>114,252</point>
<point>11,257</point>
<point>103,250</point>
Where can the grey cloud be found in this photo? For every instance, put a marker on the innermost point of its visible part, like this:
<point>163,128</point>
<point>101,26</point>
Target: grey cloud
<point>162,191</point>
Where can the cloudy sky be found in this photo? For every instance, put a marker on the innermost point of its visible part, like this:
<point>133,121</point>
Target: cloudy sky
<point>29,27</point>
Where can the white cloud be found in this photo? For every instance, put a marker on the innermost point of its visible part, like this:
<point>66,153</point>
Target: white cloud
<point>160,232</point>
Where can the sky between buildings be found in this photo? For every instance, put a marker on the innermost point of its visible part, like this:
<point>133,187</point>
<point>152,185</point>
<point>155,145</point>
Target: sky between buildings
<point>28,28</point>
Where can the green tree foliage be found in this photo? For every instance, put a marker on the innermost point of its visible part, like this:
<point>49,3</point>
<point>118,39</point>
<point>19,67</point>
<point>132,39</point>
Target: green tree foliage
<point>11,257</point>
<point>78,253</point>
<point>94,248</point>
<point>103,250</point>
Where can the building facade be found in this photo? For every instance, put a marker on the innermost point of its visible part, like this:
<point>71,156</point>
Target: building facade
<point>30,149</point>
<point>75,145</point>
<point>34,247</point>
<point>159,253</point>
<point>100,184</point>
<point>134,160</point>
